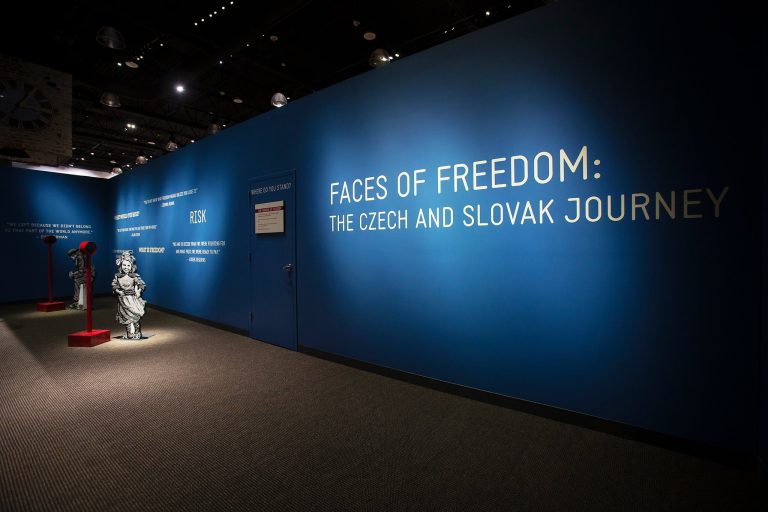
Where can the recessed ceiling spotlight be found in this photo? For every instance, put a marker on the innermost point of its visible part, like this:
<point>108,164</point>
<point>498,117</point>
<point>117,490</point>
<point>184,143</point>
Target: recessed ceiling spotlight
<point>369,36</point>
<point>151,142</point>
<point>113,161</point>
<point>210,15</point>
<point>82,158</point>
<point>215,12</point>
<point>397,55</point>
<point>161,44</point>
<point>222,93</point>
<point>282,64</point>
<point>231,3</point>
<point>222,7</point>
<point>237,100</point>
<point>179,88</point>
<point>273,38</point>
<point>119,64</point>
<point>221,62</point>
<point>248,45</point>
<point>192,141</point>
<point>132,64</point>
<point>195,23</point>
<point>202,19</point>
<point>355,23</point>
<point>93,154</point>
<point>487,13</point>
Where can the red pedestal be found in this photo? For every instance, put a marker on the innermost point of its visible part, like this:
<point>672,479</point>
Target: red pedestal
<point>50,306</point>
<point>89,338</point>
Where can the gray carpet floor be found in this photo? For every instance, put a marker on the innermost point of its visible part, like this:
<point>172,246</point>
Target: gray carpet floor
<point>195,418</point>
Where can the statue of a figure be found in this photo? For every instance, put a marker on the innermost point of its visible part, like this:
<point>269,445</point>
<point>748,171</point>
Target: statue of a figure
<point>128,287</point>
<point>78,276</point>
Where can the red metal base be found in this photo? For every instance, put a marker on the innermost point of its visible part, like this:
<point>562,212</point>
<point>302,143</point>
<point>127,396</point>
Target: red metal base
<point>89,338</point>
<point>50,306</point>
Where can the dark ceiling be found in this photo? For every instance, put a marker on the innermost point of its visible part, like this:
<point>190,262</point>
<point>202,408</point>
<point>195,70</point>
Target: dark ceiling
<point>220,51</point>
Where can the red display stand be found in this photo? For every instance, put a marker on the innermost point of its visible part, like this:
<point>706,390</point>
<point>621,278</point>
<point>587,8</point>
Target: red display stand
<point>51,305</point>
<point>90,337</point>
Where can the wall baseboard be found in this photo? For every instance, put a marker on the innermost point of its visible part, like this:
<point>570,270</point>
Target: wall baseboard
<point>67,299</point>
<point>217,325</point>
<point>678,444</point>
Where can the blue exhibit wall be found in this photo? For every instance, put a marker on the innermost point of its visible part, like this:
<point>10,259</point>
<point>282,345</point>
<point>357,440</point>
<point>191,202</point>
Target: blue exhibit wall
<point>649,321</point>
<point>34,204</point>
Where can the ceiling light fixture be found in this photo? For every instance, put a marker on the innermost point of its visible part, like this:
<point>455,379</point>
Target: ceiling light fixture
<point>132,64</point>
<point>171,145</point>
<point>141,159</point>
<point>279,100</point>
<point>214,127</point>
<point>111,38</point>
<point>110,99</point>
<point>369,36</point>
<point>179,88</point>
<point>379,58</point>
<point>237,100</point>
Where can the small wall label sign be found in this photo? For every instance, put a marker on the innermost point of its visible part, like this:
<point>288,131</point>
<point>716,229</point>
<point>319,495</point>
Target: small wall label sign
<point>270,217</point>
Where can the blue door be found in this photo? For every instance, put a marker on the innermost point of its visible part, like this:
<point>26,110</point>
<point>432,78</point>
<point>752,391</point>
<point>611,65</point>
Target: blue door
<point>273,259</point>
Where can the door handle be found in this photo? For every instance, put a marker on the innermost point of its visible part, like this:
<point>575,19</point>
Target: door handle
<point>288,267</point>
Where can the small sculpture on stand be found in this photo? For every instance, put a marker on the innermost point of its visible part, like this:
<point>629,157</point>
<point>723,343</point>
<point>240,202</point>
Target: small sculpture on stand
<point>78,276</point>
<point>128,286</point>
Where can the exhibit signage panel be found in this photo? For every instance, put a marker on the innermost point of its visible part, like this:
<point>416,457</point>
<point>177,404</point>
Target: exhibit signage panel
<point>270,217</point>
